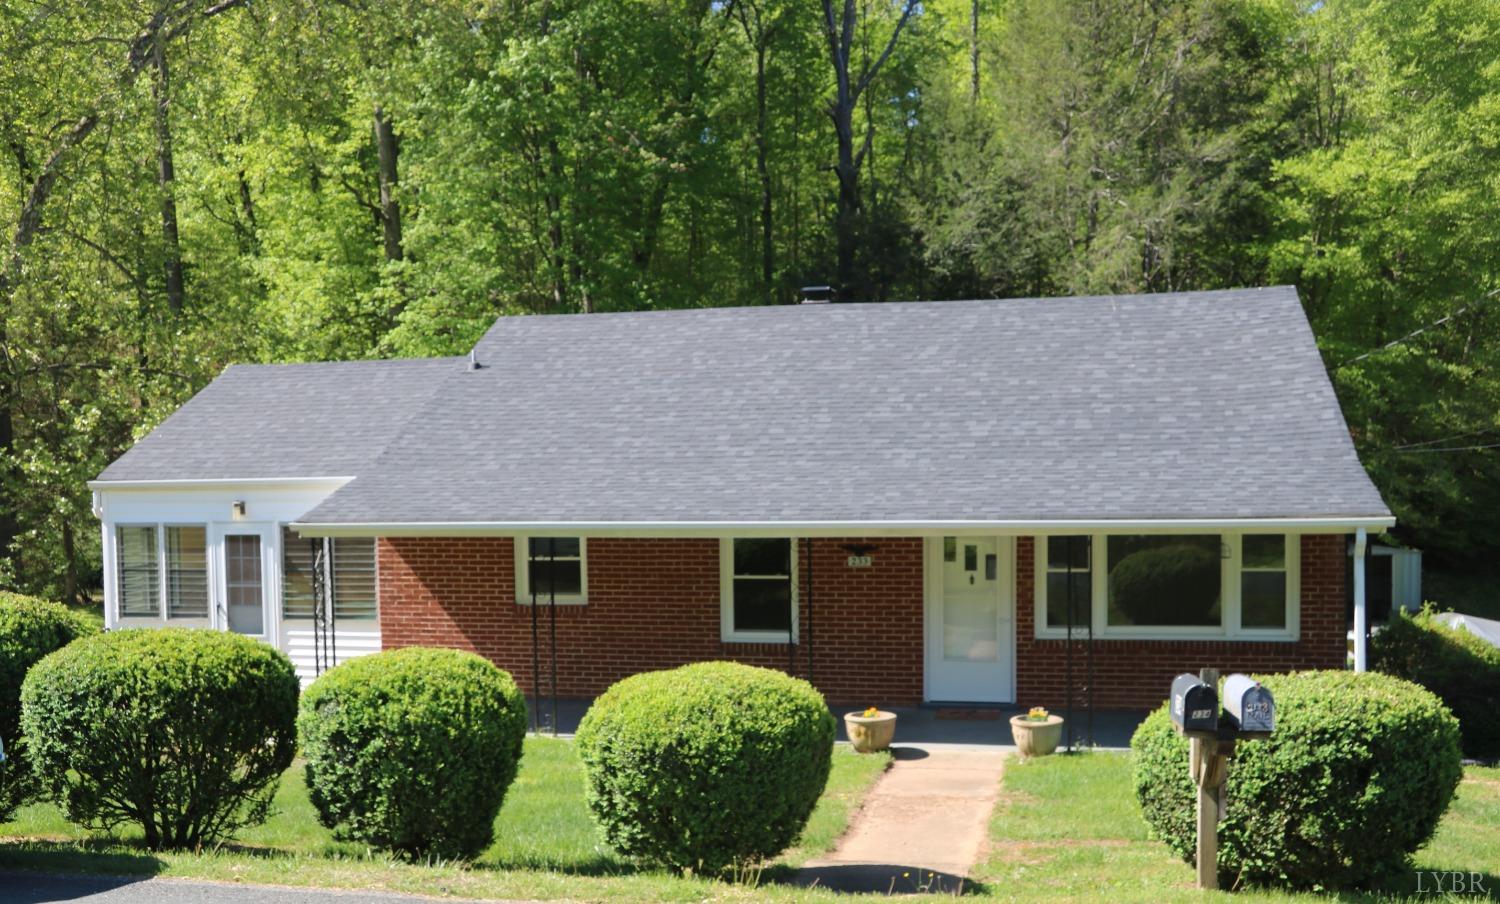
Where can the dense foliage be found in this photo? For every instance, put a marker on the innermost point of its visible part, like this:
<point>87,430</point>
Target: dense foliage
<point>412,750</point>
<point>182,732</point>
<point>185,183</point>
<point>1461,668</point>
<point>29,629</point>
<point>706,767</point>
<point>1355,778</point>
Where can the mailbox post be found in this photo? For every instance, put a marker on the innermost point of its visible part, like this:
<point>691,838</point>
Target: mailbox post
<point>1249,714</point>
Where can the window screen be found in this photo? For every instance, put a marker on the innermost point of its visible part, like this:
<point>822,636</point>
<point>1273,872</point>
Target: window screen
<point>762,585</point>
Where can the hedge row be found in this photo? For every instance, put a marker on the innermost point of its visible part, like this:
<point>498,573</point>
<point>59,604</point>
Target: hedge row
<point>1461,668</point>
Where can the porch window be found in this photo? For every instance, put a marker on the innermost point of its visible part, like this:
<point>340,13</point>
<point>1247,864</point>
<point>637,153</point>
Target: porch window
<point>1165,581</point>
<point>552,569</point>
<point>759,599</point>
<point>1263,581</point>
<point>351,571</point>
<point>187,572</point>
<point>1070,581</point>
<point>139,571</point>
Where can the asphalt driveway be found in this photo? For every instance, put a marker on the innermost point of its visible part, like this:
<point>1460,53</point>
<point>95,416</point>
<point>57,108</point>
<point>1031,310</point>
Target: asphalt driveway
<point>34,888</point>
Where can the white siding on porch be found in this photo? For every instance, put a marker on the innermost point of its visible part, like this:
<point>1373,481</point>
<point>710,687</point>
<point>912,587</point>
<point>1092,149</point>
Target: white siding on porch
<point>348,644</point>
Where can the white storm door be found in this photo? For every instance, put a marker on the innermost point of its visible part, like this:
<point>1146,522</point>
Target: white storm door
<point>970,627</point>
<point>246,582</point>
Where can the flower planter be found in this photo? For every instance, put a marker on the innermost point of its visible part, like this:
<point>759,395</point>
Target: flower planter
<point>1036,738</point>
<point>870,733</point>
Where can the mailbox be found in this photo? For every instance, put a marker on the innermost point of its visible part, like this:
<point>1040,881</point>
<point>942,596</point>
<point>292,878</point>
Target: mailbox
<point>1195,705</point>
<point>1249,706</point>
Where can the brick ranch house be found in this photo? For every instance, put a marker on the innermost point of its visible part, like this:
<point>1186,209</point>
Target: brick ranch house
<point>904,502</point>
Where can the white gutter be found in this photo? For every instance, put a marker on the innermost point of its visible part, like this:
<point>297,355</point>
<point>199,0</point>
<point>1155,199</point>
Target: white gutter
<point>212,483</point>
<point>828,528</point>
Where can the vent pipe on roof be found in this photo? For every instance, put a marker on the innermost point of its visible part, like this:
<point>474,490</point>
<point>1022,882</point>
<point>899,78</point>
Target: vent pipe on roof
<point>818,294</point>
<point>473,361</point>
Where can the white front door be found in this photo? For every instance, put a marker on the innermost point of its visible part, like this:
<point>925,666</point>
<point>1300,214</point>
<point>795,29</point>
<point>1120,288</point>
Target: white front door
<point>970,627</point>
<point>245,579</point>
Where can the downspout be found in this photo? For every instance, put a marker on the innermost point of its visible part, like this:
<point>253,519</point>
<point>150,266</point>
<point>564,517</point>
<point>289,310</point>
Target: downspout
<point>536,655</point>
<point>552,620</point>
<point>1361,616</point>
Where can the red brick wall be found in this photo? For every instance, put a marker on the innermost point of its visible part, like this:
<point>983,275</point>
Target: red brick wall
<point>653,604</point>
<point>1132,674</point>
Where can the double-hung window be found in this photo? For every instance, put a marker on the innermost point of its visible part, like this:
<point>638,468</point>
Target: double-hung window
<point>162,570</point>
<point>759,592</point>
<point>348,565</point>
<point>1168,585</point>
<point>552,570</point>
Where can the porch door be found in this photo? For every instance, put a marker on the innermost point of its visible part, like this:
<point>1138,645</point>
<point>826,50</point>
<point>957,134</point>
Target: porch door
<point>245,583</point>
<point>970,626</point>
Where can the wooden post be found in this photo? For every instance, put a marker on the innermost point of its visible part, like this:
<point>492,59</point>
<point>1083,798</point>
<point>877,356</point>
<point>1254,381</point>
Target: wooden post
<point>1208,765</point>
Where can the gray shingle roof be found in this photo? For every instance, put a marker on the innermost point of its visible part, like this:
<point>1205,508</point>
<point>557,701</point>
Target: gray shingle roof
<point>1190,405</point>
<point>285,420</point>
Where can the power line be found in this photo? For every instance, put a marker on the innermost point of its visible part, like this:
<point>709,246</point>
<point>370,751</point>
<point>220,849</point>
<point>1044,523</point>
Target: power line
<point>1446,439</point>
<point>1447,449</point>
<point>1442,321</point>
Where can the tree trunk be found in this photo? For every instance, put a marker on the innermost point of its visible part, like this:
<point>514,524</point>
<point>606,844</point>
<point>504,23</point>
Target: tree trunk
<point>70,564</point>
<point>839,28</point>
<point>974,51</point>
<point>390,208</point>
<point>37,195</point>
<point>166,177</point>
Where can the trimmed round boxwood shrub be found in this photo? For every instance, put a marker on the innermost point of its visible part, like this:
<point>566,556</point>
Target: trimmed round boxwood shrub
<point>30,628</point>
<point>412,750</point>
<point>707,766</point>
<point>184,732</point>
<point>1355,778</point>
<point>1461,668</point>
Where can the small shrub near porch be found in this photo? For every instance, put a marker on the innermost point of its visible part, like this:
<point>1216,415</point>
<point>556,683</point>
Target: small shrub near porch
<point>1355,778</point>
<point>182,732</point>
<point>29,629</point>
<point>707,767</point>
<point>412,750</point>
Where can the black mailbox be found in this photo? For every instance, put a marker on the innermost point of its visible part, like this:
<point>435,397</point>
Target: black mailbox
<point>1195,705</point>
<point>1249,706</point>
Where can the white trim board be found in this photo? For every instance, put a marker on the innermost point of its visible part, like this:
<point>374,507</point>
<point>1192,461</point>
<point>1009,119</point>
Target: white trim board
<point>829,528</point>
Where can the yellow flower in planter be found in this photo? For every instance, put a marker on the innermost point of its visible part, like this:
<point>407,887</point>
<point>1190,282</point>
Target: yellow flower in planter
<point>871,712</point>
<point>1037,714</point>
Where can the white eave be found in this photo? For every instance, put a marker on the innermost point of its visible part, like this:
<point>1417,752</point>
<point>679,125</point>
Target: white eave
<point>1329,524</point>
<point>218,483</point>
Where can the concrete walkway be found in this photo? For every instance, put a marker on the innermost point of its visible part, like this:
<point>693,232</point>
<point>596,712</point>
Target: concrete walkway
<point>922,826</point>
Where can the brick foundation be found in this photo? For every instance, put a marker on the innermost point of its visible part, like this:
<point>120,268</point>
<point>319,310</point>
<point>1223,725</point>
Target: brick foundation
<point>654,603</point>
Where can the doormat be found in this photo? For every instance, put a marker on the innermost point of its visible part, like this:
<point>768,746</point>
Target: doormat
<point>970,715</point>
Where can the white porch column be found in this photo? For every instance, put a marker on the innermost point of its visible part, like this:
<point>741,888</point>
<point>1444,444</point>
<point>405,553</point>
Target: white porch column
<point>1361,616</point>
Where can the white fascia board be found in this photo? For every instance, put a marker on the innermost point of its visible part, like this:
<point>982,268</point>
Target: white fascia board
<point>1331,524</point>
<point>216,483</point>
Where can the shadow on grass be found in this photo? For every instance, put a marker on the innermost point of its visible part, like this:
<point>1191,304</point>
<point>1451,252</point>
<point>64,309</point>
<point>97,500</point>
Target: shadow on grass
<point>874,878</point>
<point>105,856</point>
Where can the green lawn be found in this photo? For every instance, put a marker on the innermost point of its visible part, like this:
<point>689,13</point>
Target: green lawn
<point>546,845</point>
<point>1067,828</point>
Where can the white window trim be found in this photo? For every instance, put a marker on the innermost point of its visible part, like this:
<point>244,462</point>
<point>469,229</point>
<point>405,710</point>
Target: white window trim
<point>1230,586</point>
<point>163,574</point>
<point>727,633</point>
<point>523,573</point>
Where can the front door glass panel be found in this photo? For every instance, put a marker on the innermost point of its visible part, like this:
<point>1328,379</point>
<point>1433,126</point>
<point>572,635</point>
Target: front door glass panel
<point>244,584</point>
